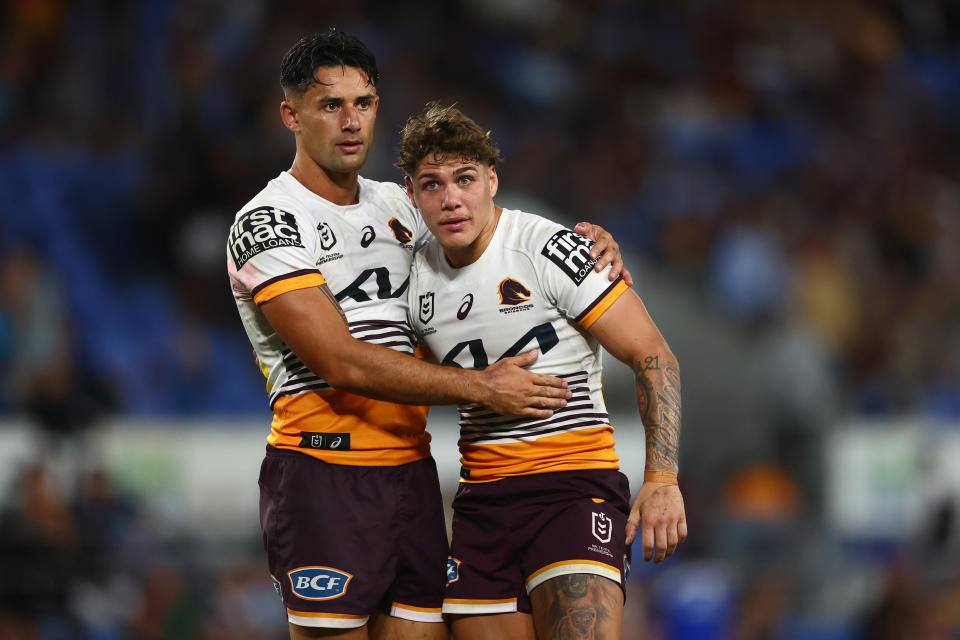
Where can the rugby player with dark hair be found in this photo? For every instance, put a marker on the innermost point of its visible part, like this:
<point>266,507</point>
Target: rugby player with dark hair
<point>319,263</point>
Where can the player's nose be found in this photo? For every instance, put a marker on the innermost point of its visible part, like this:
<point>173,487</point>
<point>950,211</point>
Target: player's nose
<point>351,122</point>
<point>450,200</point>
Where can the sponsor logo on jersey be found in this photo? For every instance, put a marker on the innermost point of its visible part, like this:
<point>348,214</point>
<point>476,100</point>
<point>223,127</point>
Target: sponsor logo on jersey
<point>259,230</point>
<point>368,235</point>
<point>453,570</point>
<point>465,306</point>
<point>276,586</point>
<point>512,295</point>
<point>319,583</point>
<point>331,441</point>
<point>426,307</point>
<point>595,548</point>
<point>400,232</point>
<point>601,526</point>
<point>327,238</point>
<point>571,252</point>
<point>512,292</point>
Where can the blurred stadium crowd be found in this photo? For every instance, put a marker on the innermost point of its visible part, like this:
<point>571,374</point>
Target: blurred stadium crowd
<point>792,162</point>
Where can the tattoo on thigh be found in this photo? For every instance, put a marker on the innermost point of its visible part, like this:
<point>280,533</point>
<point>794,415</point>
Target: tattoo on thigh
<point>574,585</point>
<point>577,606</point>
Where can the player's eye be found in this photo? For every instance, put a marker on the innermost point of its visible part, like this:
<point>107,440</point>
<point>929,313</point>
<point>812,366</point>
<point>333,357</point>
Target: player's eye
<point>430,185</point>
<point>364,103</point>
<point>464,180</point>
<point>330,106</point>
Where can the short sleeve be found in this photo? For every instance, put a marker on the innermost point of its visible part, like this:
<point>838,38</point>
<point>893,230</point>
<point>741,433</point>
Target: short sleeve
<point>569,280</point>
<point>270,251</point>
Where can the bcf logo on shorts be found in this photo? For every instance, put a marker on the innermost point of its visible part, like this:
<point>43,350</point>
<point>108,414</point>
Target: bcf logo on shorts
<point>602,526</point>
<point>319,583</point>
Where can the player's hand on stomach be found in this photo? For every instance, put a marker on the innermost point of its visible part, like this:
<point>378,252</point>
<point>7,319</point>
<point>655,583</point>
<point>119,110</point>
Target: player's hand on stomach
<point>605,250</point>
<point>515,391</point>
<point>659,514</point>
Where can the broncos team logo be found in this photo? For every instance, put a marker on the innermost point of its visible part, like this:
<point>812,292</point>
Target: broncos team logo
<point>453,570</point>
<point>512,292</point>
<point>400,232</point>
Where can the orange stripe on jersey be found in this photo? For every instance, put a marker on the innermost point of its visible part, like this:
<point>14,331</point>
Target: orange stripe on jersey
<point>381,433</point>
<point>592,313</point>
<point>289,282</point>
<point>591,448</point>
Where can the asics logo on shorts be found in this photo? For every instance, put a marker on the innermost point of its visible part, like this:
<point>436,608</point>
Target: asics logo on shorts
<point>319,583</point>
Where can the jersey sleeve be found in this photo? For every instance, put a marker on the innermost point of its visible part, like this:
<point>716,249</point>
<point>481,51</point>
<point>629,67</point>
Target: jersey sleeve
<point>562,257</point>
<point>271,251</point>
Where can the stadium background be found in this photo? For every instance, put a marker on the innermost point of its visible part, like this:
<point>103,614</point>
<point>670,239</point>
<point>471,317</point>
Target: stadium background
<point>782,175</point>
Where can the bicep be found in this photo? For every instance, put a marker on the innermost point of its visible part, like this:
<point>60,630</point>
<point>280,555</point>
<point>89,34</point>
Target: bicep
<point>310,321</point>
<point>627,331</point>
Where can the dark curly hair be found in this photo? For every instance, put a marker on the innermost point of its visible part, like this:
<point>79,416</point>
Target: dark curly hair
<point>298,70</point>
<point>444,131</point>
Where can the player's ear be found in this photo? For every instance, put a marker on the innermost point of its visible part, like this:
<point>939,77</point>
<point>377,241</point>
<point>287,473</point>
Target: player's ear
<point>288,114</point>
<point>494,180</point>
<point>407,181</point>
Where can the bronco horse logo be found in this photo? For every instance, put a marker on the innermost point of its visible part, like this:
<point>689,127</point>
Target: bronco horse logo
<point>512,292</point>
<point>400,232</point>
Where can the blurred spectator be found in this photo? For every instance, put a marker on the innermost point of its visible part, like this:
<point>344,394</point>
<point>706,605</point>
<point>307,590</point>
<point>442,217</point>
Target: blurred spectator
<point>793,162</point>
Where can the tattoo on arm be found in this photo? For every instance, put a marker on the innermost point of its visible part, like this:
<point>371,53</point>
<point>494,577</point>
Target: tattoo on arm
<point>325,290</point>
<point>658,397</point>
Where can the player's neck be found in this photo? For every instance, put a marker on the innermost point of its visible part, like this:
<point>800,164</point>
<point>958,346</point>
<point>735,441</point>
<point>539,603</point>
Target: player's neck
<point>459,258</point>
<point>339,188</point>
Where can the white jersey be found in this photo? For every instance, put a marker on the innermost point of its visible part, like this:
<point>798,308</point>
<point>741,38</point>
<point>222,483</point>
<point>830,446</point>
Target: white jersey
<point>288,238</point>
<point>533,287</point>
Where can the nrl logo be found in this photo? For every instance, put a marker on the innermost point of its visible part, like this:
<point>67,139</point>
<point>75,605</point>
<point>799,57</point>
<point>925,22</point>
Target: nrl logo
<point>602,526</point>
<point>426,307</point>
<point>327,237</point>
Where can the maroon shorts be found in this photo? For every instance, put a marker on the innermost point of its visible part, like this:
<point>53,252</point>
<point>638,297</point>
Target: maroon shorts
<point>346,541</point>
<point>511,535</point>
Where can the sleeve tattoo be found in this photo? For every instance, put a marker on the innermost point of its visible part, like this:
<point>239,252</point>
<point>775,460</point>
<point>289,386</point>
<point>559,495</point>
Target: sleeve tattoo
<point>658,397</point>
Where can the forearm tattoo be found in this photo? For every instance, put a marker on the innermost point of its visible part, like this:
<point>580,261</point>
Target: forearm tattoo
<point>580,607</point>
<point>658,397</point>
<point>325,290</point>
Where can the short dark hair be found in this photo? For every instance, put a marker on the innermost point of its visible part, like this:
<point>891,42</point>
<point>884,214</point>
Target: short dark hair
<point>444,131</point>
<point>298,71</point>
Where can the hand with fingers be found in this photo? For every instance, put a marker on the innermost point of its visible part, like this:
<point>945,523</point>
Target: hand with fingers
<point>515,391</point>
<point>659,514</point>
<point>605,251</point>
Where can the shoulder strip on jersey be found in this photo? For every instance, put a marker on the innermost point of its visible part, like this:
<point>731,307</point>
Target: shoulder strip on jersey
<point>303,279</point>
<point>602,303</point>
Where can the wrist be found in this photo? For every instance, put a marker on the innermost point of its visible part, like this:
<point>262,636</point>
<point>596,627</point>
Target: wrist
<point>476,387</point>
<point>659,475</point>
